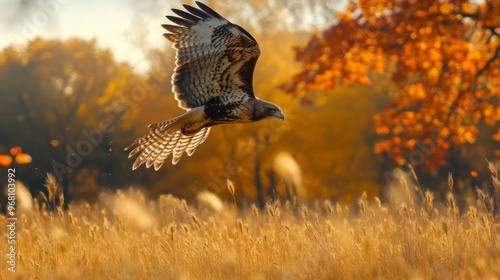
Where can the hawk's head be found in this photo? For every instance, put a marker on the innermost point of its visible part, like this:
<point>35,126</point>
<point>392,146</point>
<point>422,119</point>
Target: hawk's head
<point>263,109</point>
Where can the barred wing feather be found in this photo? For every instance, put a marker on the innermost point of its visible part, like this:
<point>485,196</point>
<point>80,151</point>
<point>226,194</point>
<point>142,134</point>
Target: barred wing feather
<point>214,57</point>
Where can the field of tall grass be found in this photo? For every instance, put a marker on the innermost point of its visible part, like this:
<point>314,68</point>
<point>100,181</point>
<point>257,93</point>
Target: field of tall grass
<point>126,236</point>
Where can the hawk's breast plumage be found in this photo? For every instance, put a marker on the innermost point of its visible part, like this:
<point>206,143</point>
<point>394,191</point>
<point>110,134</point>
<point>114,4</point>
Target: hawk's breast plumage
<point>212,81</point>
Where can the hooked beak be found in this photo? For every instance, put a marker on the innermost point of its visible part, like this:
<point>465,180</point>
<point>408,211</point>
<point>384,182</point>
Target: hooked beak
<point>279,115</point>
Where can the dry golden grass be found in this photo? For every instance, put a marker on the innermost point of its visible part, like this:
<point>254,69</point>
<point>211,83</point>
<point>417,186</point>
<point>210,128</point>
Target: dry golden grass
<point>125,236</point>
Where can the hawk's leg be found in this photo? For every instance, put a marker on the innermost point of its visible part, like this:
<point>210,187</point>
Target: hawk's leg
<point>192,121</point>
<point>191,128</point>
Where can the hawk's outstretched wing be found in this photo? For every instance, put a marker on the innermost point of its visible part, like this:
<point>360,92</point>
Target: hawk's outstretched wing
<point>215,58</point>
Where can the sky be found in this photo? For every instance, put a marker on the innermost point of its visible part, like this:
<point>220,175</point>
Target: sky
<point>124,26</point>
<point>128,27</point>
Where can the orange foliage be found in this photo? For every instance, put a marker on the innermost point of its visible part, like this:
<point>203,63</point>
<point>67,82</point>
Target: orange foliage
<point>5,160</point>
<point>14,151</point>
<point>443,55</point>
<point>17,154</point>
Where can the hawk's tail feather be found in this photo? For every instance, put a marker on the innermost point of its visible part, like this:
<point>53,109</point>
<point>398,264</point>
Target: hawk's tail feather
<point>180,148</point>
<point>167,150</point>
<point>197,140</point>
<point>154,127</point>
<point>152,157</point>
<point>166,138</point>
<point>160,143</point>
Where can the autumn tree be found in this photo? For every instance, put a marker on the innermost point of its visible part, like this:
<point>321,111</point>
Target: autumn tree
<point>444,56</point>
<point>54,96</point>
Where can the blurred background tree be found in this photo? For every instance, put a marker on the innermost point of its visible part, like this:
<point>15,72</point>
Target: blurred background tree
<point>51,92</point>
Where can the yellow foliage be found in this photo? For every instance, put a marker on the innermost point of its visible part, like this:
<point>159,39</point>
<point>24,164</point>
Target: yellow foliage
<point>23,158</point>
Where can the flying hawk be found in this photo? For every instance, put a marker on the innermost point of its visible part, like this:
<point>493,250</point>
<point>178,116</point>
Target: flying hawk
<point>212,81</point>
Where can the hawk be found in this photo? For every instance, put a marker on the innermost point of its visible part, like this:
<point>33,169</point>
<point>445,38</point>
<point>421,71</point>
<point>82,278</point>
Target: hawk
<point>212,81</point>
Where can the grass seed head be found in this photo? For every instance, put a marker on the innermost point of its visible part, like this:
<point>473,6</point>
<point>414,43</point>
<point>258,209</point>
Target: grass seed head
<point>493,168</point>
<point>241,226</point>
<point>185,206</point>
<point>270,210</point>
<point>404,185</point>
<point>195,220</point>
<point>185,228</point>
<point>481,194</point>
<point>230,187</point>
<point>61,199</point>
<point>304,211</point>
<point>51,186</point>
<point>328,206</point>
<point>362,201</point>
<point>496,184</point>
<point>255,211</point>
<point>429,198</point>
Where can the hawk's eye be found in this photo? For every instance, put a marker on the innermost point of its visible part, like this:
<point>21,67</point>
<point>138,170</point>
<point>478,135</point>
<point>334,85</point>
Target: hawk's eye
<point>274,110</point>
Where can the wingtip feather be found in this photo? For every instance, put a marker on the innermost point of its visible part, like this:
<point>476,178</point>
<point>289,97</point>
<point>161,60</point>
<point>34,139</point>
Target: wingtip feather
<point>134,151</point>
<point>173,28</point>
<point>175,160</point>
<point>185,15</point>
<point>169,36</point>
<point>158,165</point>
<point>209,10</point>
<point>196,12</point>
<point>136,164</point>
<point>180,21</point>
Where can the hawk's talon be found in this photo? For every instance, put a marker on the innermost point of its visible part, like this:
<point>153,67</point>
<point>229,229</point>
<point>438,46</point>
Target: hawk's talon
<point>185,129</point>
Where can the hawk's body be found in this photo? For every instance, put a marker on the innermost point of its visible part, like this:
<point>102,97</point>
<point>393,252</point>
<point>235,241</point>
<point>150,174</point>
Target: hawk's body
<point>212,80</point>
